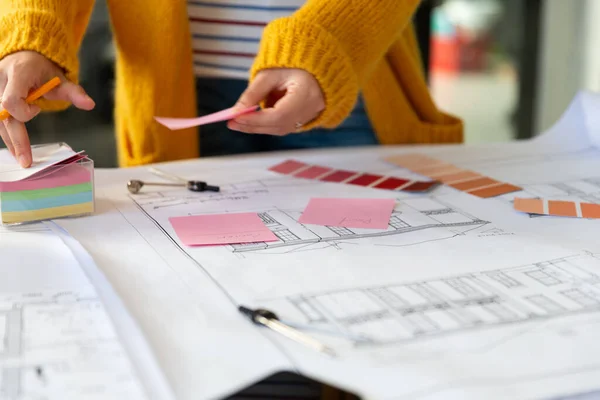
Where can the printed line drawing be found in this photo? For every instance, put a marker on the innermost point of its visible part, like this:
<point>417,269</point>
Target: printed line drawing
<point>46,338</point>
<point>239,191</point>
<point>587,190</point>
<point>59,341</point>
<point>584,190</point>
<point>399,313</point>
<point>413,215</point>
<point>10,325</point>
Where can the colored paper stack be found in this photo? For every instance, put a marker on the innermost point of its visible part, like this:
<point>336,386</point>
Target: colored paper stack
<point>61,189</point>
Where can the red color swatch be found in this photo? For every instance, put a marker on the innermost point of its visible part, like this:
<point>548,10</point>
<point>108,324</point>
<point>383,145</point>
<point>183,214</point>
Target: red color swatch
<point>287,167</point>
<point>365,179</point>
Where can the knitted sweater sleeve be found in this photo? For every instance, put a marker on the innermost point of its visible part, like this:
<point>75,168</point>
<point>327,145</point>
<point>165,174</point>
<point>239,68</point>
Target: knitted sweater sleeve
<point>53,28</point>
<point>339,42</point>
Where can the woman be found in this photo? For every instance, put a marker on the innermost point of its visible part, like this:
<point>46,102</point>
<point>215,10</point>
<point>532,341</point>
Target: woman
<point>315,58</point>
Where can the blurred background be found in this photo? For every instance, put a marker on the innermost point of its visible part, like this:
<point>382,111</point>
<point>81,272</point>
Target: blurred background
<point>509,68</point>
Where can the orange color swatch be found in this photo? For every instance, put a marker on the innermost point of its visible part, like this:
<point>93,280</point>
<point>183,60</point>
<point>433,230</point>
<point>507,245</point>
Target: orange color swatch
<point>589,210</point>
<point>473,184</point>
<point>562,208</point>
<point>557,208</point>
<point>530,206</point>
<point>493,191</point>
<point>460,179</point>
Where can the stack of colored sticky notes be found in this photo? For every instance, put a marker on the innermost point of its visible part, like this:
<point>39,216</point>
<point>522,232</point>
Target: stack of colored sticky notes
<point>59,183</point>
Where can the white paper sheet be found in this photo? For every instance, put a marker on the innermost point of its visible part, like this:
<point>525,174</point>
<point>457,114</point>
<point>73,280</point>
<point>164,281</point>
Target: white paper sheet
<point>129,334</point>
<point>44,156</point>
<point>203,346</point>
<point>461,297</point>
<point>578,126</point>
<point>57,340</point>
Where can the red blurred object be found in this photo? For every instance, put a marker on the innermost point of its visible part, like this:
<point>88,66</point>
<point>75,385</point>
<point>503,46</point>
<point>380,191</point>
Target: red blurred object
<point>444,55</point>
<point>463,52</point>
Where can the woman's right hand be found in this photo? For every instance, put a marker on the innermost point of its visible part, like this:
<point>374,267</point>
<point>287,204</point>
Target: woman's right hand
<point>20,73</point>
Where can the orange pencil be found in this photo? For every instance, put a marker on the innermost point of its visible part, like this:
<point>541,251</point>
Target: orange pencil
<point>36,94</point>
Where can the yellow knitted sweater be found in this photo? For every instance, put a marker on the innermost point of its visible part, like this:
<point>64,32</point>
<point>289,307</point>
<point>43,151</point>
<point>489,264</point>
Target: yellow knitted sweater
<point>350,46</point>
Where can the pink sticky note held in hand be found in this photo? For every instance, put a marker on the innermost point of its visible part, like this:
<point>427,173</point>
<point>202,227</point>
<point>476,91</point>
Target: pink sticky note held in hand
<point>213,229</point>
<point>183,123</point>
<point>349,213</point>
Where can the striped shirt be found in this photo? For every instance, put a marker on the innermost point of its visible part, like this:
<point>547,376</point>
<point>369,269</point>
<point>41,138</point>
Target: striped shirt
<point>226,33</point>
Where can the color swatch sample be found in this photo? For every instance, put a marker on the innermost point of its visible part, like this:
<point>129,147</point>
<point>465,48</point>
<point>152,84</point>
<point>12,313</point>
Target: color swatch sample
<point>183,123</point>
<point>460,179</point>
<point>211,229</point>
<point>299,169</point>
<point>64,188</point>
<point>349,213</point>
<point>559,208</point>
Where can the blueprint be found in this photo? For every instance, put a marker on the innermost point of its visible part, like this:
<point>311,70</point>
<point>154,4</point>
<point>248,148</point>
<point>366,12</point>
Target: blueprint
<point>396,313</point>
<point>568,175</point>
<point>57,340</point>
<point>412,215</point>
<point>460,297</point>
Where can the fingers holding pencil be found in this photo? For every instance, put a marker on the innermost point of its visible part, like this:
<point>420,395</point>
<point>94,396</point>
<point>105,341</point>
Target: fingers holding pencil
<point>16,111</point>
<point>18,107</point>
<point>23,80</point>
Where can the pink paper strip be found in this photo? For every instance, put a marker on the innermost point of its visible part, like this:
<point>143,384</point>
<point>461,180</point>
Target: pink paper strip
<point>213,229</point>
<point>349,213</point>
<point>44,157</point>
<point>66,176</point>
<point>183,123</point>
<point>57,167</point>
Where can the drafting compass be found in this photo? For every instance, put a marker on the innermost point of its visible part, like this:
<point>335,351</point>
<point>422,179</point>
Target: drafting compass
<point>134,186</point>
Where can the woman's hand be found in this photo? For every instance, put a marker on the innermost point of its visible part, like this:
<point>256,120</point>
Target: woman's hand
<point>293,98</point>
<point>20,73</point>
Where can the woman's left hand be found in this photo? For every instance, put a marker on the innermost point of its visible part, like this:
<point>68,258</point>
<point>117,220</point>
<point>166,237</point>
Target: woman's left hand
<point>292,97</point>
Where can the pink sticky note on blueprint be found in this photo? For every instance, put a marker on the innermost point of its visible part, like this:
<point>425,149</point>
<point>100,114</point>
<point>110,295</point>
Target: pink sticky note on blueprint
<point>183,123</point>
<point>349,213</point>
<point>198,230</point>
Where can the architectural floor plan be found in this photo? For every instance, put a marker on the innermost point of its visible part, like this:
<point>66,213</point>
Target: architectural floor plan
<point>451,281</point>
<point>413,215</point>
<point>402,312</point>
<point>56,338</point>
<point>459,298</point>
<point>585,190</point>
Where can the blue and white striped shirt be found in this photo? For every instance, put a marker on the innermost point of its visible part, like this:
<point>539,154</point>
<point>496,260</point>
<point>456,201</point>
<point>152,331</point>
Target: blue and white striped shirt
<point>226,33</point>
